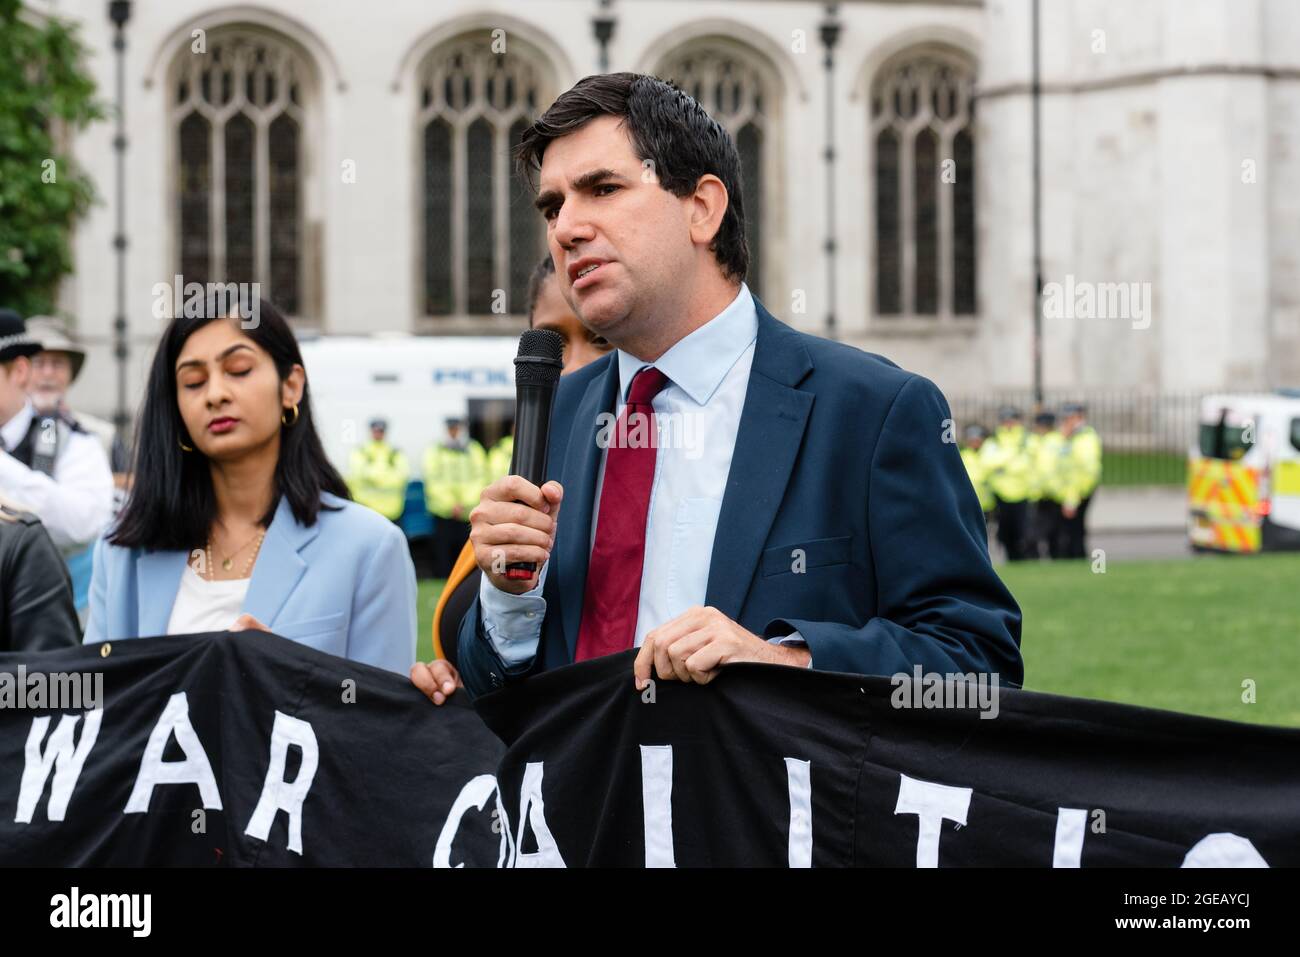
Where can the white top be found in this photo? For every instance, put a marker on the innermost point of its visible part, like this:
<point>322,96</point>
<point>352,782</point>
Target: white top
<point>202,605</point>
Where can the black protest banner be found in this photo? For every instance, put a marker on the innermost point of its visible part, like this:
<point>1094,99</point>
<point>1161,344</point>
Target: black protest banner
<point>238,749</point>
<point>247,749</point>
<point>779,766</point>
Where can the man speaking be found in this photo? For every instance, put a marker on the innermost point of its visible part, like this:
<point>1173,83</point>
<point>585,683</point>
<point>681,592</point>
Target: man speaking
<point>800,502</point>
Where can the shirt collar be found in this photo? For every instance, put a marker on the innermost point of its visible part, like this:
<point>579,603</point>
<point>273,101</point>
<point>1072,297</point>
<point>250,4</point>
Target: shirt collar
<point>15,430</point>
<point>699,362</point>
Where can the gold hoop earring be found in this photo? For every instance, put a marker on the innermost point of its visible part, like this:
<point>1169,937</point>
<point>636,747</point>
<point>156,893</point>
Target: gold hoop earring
<point>295,417</point>
<point>184,447</point>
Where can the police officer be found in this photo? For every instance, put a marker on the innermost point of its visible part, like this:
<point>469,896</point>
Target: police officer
<point>973,439</point>
<point>1046,453</point>
<point>53,468</point>
<point>1005,456</point>
<point>499,457</point>
<point>54,369</point>
<point>378,473</point>
<point>453,480</point>
<point>1083,470</point>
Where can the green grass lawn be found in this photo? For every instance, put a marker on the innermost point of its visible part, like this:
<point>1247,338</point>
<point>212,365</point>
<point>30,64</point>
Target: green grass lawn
<point>430,589</point>
<point>1179,635</point>
<point>1126,467</point>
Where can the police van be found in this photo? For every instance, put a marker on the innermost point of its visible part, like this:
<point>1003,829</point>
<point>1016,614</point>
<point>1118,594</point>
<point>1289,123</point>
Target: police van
<point>1243,476</point>
<point>414,383</point>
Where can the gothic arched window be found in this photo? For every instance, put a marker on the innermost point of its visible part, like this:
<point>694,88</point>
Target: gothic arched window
<point>924,187</point>
<point>741,92</point>
<point>481,236</point>
<point>238,114</point>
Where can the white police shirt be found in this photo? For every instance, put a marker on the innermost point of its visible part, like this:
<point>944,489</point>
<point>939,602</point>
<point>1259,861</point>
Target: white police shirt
<point>76,504</point>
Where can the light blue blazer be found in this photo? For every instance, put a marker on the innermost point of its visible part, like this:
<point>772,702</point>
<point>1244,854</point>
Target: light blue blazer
<point>345,586</point>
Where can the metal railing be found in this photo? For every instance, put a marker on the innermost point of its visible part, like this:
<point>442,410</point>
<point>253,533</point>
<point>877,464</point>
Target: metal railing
<point>1145,436</point>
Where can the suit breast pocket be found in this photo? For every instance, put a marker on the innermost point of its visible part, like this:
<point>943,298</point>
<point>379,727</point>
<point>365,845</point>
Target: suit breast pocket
<point>798,557</point>
<point>325,633</point>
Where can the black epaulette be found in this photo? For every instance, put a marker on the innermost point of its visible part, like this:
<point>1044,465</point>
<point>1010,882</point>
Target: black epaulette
<point>67,419</point>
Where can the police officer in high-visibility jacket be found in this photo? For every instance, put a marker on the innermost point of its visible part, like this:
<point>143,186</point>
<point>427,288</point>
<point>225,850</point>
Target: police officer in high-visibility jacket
<point>1046,454</point>
<point>498,458</point>
<point>974,436</point>
<point>378,473</point>
<point>454,473</point>
<point>1083,475</point>
<point>1005,456</point>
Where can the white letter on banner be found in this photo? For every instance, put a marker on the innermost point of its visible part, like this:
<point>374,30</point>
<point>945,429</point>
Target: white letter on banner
<point>798,776</point>
<point>933,804</point>
<point>195,769</point>
<point>474,794</point>
<point>657,804</point>
<point>279,794</point>
<point>1071,824</point>
<point>59,754</point>
<point>506,857</point>
<point>533,811</point>
<point>1224,850</point>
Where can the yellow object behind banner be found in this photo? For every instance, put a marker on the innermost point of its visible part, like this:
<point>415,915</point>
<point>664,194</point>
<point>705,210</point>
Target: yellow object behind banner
<point>465,563</point>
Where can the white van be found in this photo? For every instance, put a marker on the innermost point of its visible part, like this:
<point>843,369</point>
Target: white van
<point>1243,475</point>
<point>415,383</point>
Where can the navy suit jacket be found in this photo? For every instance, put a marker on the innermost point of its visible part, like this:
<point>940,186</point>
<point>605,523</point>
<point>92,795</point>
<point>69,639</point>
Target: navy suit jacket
<point>839,454</point>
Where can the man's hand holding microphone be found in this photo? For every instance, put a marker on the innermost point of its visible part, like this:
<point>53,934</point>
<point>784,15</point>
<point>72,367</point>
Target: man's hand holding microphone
<point>514,523</point>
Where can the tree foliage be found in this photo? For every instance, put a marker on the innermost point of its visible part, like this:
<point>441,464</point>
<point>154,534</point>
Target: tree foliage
<point>45,96</point>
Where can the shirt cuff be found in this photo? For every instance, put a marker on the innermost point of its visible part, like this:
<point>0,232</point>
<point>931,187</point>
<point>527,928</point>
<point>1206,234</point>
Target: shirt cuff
<point>513,623</point>
<point>793,639</point>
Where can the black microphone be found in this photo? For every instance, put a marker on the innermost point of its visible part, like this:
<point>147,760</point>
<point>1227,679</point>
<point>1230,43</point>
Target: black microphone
<point>537,371</point>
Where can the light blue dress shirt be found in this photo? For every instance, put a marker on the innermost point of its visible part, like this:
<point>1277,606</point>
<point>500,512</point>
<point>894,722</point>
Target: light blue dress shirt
<point>698,416</point>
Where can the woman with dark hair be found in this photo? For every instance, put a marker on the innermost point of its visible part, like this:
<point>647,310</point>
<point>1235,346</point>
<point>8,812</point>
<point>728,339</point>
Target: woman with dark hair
<point>236,518</point>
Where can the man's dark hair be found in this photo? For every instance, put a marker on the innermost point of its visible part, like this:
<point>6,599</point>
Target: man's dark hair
<point>666,126</point>
<point>543,271</point>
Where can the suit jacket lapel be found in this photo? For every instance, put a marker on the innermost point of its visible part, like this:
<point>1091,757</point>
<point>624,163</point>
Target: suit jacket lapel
<point>278,567</point>
<point>581,463</point>
<point>767,443</point>
<point>157,581</point>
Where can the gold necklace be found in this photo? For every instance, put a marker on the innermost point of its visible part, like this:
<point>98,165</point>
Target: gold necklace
<point>228,562</point>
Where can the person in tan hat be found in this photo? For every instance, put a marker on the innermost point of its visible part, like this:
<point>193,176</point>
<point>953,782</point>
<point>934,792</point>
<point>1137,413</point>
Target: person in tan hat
<point>54,369</point>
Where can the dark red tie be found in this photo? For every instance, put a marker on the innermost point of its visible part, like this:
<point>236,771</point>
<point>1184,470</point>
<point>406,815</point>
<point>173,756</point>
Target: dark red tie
<point>609,605</point>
